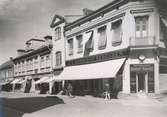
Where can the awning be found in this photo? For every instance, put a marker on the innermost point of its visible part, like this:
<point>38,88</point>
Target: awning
<point>28,77</point>
<point>54,78</point>
<point>41,80</point>
<point>22,81</point>
<point>107,69</point>
<point>15,81</point>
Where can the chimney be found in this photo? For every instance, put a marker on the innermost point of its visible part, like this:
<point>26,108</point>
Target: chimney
<point>48,40</point>
<point>20,52</point>
<point>87,11</point>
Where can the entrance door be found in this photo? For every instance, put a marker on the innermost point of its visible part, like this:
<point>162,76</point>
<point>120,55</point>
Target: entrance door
<point>141,82</point>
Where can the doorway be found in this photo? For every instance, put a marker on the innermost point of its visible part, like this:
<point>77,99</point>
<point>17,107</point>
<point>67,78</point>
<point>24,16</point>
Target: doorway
<point>141,82</point>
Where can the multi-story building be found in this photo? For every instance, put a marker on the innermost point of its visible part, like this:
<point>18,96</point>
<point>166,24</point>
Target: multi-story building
<point>33,64</point>
<point>6,75</point>
<point>122,43</point>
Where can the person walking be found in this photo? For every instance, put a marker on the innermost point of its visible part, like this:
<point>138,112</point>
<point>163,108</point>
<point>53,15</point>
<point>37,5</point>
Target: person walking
<point>107,91</point>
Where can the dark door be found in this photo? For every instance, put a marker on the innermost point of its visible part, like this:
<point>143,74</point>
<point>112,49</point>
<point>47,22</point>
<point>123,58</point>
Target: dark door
<point>141,82</point>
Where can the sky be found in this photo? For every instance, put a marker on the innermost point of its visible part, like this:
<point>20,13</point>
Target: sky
<point>21,20</point>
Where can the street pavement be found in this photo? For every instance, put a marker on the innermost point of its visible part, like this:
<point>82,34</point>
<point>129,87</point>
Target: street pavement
<point>84,106</point>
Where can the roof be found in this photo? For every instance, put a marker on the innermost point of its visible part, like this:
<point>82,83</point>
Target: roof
<point>34,40</point>
<point>111,6</point>
<point>8,64</point>
<point>42,49</point>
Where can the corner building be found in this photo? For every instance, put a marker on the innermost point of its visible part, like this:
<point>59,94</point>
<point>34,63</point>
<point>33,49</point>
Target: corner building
<point>122,43</point>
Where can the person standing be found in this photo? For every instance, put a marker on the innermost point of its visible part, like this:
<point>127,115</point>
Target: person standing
<point>69,90</point>
<point>107,91</point>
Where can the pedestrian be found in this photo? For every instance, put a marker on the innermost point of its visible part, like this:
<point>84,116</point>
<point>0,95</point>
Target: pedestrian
<point>107,91</point>
<point>69,90</point>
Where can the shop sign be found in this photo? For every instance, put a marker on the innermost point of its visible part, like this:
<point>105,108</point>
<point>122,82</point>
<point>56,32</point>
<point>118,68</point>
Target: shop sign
<point>142,67</point>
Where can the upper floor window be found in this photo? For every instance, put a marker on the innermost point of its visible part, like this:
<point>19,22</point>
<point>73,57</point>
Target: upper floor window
<point>163,29</point>
<point>79,43</point>
<point>70,46</point>
<point>116,28</point>
<point>58,58</point>
<point>48,61</point>
<point>58,33</point>
<point>102,38</point>
<point>141,26</point>
<point>42,62</point>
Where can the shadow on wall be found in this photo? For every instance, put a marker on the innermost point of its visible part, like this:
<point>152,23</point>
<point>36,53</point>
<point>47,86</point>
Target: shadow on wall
<point>18,106</point>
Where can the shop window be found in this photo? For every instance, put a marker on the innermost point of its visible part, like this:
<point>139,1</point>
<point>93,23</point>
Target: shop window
<point>102,42</point>
<point>133,82</point>
<point>79,43</point>
<point>116,33</point>
<point>57,33</point>
<point>58,58</point>
<point>70,46</point>
<point>150,82</point>
<point>141,26</point>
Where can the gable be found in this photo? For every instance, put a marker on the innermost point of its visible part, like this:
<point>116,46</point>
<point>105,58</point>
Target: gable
<point>57,20</point>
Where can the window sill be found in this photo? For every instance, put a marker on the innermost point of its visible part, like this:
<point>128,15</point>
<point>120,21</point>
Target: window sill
<point>79,51</point>
<point>58,68</point>
<point>116,43</point>
<point>102,47</point>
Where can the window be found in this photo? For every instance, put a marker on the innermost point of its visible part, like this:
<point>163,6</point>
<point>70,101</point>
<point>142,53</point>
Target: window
<point>48,62</point>
<point>116,32</point>
<point>70,46</point>
<point>141,26</point>
<point>58,33</point>
<point>42,62</point>
<point>79,43</point>
<point>102,38</point>
<point>58,58</point>
<point>163,29</point>
<point>36,63</point>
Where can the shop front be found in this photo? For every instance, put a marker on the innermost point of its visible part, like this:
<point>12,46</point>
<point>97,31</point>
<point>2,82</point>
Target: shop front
<point>90,79</point>
<point>142,78</point>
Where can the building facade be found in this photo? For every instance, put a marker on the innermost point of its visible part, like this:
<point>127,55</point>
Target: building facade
<point>122,44</point>
<point>33,65</point>
<point>6,71</point>
<point>6,75</point>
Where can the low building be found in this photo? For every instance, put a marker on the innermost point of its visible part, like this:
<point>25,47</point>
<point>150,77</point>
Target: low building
<point>122,44</point>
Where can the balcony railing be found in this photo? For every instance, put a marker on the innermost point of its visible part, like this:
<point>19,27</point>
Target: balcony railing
<point>142,41</point>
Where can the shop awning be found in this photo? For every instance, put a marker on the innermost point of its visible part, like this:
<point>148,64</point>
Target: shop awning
<point>41,80</point>
<point>22,81</point>
<point>107,69</point>
<point>54,78</point>
<point>15,81</point>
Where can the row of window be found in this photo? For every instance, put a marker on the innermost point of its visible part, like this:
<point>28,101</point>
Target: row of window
<point>102,38</point>
<point>141,28</point>
<point>32,64</point>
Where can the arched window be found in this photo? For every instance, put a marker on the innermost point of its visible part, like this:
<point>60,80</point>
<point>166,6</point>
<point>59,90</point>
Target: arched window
<point>58,58</point>
<point>57,33</point>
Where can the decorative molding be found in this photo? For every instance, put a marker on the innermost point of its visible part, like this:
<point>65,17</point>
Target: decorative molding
<point>99,58</point>
<point>61,20</point>
<point>105,9</point>
<point>97,24</point>
<point>142,11</point>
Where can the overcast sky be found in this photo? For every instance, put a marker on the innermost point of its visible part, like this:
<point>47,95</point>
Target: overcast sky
<point>21,20</point>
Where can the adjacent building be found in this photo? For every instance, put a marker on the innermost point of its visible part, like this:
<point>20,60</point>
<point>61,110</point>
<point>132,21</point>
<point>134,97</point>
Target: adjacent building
<point>6,75</point>
<point>33,64</point>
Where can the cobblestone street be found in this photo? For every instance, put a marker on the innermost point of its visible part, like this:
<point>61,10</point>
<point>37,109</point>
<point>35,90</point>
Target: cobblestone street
<point>87,106</point>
